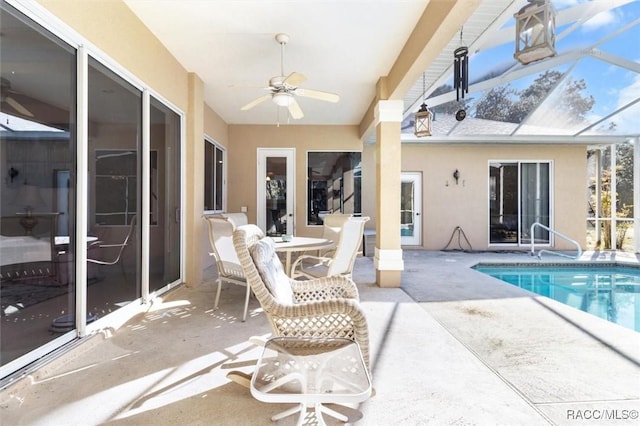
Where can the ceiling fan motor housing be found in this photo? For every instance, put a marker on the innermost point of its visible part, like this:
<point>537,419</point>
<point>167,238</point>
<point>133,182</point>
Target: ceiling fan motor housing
<point>277,82</point>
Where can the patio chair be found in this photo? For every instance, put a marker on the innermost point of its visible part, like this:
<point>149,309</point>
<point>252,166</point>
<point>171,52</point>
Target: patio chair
<point>341,261</point>
<point>319,308</point>
<point>119,247</point>
<point>332,224</point>
<point>221,240</point>
<point>237,219</point>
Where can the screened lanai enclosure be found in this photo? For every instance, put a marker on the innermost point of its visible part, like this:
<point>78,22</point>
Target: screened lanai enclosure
<point>587,93</point>
<point>94,164</point>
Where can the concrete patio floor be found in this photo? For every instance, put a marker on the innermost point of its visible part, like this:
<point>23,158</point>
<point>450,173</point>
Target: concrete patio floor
<point>452,346</point>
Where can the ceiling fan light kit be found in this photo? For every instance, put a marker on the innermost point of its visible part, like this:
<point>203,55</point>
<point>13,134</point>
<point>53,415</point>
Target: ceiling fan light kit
<point>283,90</point>
<point>282,99</point>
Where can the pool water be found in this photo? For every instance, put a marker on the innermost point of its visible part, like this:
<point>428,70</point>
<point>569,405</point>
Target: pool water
<point>611,292</point>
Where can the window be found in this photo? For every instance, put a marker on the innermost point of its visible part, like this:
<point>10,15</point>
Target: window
<point>518,197</point>
<point>214,158</point>
<point>334,184</point>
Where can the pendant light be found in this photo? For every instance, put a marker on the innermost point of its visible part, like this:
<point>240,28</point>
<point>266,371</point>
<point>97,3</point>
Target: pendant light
<point>423,117</point>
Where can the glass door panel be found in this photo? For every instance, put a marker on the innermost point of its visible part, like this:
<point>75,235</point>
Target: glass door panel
<point>534,201</point>
<point>410,202</point>
<point>164,247</point>
<point>275,192</point>
<point>37,199</point>
<point>115,120</point>
<point>503,203</point>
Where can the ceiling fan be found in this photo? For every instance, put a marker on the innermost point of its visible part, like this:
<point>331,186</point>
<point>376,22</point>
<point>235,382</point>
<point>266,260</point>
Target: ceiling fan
<point>5,96</point>
<point>283,89</point>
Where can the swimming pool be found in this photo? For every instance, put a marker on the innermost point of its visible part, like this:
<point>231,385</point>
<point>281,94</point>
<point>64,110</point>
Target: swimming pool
<point>611,292</point>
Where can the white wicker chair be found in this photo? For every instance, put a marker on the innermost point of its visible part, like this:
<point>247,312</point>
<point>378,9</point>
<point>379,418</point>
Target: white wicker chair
<point>324,307</point>
<point>341,260</point>
<point>331,227</point>
<point>221,240</point>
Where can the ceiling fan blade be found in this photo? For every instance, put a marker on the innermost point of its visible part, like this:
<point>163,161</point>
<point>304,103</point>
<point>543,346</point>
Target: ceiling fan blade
<point>295,110</point>
<point>255,102</point>
<point>18,107</point>
<point>316,94</point>
<point>294,79</point>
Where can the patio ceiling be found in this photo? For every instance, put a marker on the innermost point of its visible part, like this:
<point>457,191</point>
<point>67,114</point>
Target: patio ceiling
<point>345,47</point>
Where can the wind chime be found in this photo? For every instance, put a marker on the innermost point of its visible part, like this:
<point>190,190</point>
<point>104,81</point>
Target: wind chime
<point>461,75</point>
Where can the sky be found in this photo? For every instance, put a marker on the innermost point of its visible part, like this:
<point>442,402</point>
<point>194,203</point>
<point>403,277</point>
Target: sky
<point>611,85</point>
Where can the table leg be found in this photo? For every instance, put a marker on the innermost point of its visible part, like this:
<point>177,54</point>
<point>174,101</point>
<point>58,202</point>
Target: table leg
<point>288,264</point>
<point>290,411</point>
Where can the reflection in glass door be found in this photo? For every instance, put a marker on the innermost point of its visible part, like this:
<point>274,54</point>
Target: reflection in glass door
<point>275,191</point>
<point>37,204</point>
<point>164,197</point>
<point>410,207</point>
<point>115,166</point>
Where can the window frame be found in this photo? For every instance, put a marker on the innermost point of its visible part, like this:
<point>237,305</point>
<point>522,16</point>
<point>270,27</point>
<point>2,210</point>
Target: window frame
<point>214,174</point>
<point>307,193</point>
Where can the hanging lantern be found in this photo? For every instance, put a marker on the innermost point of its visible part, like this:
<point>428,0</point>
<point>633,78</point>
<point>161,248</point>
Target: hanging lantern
<point>422,118</point>
<point>535,31</point>
<point>423,121</point>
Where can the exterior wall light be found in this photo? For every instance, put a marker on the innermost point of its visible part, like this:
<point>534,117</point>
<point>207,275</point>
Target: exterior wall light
<point>535,31</point>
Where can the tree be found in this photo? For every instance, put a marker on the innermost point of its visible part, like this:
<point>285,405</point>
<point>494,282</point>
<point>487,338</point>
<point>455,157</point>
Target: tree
<point>624,174</point>
<point>450,107</point>
<point>497,104</point>
<point>624,178</point>
<point>507,104</point>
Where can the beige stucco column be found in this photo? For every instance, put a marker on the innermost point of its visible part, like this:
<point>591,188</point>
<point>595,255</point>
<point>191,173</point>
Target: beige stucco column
<point>194,176</point>
<point>388,254</point>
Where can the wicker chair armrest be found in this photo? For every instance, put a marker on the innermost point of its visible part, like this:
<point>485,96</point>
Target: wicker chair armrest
<point>319,260</point>
<point>325,288</point>
<point>319,308</point>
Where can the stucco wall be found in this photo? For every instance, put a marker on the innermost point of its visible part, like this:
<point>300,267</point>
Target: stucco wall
<point>114,29</point>
<point>242,161</point>
<point>446,205</point>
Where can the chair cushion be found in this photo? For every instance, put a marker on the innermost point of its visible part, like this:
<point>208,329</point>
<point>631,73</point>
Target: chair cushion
<point>271,270</point>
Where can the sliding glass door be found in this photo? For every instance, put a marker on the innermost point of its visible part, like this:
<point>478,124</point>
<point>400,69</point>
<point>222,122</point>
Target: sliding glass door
<point>37,194</point>
<point>519,196</point>
<point>132,175</point>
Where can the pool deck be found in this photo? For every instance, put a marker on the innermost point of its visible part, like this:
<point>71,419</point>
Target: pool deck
<point>451,346</point>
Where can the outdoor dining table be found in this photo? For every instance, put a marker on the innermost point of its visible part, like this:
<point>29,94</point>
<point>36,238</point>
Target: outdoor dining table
<point>300,244</point>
